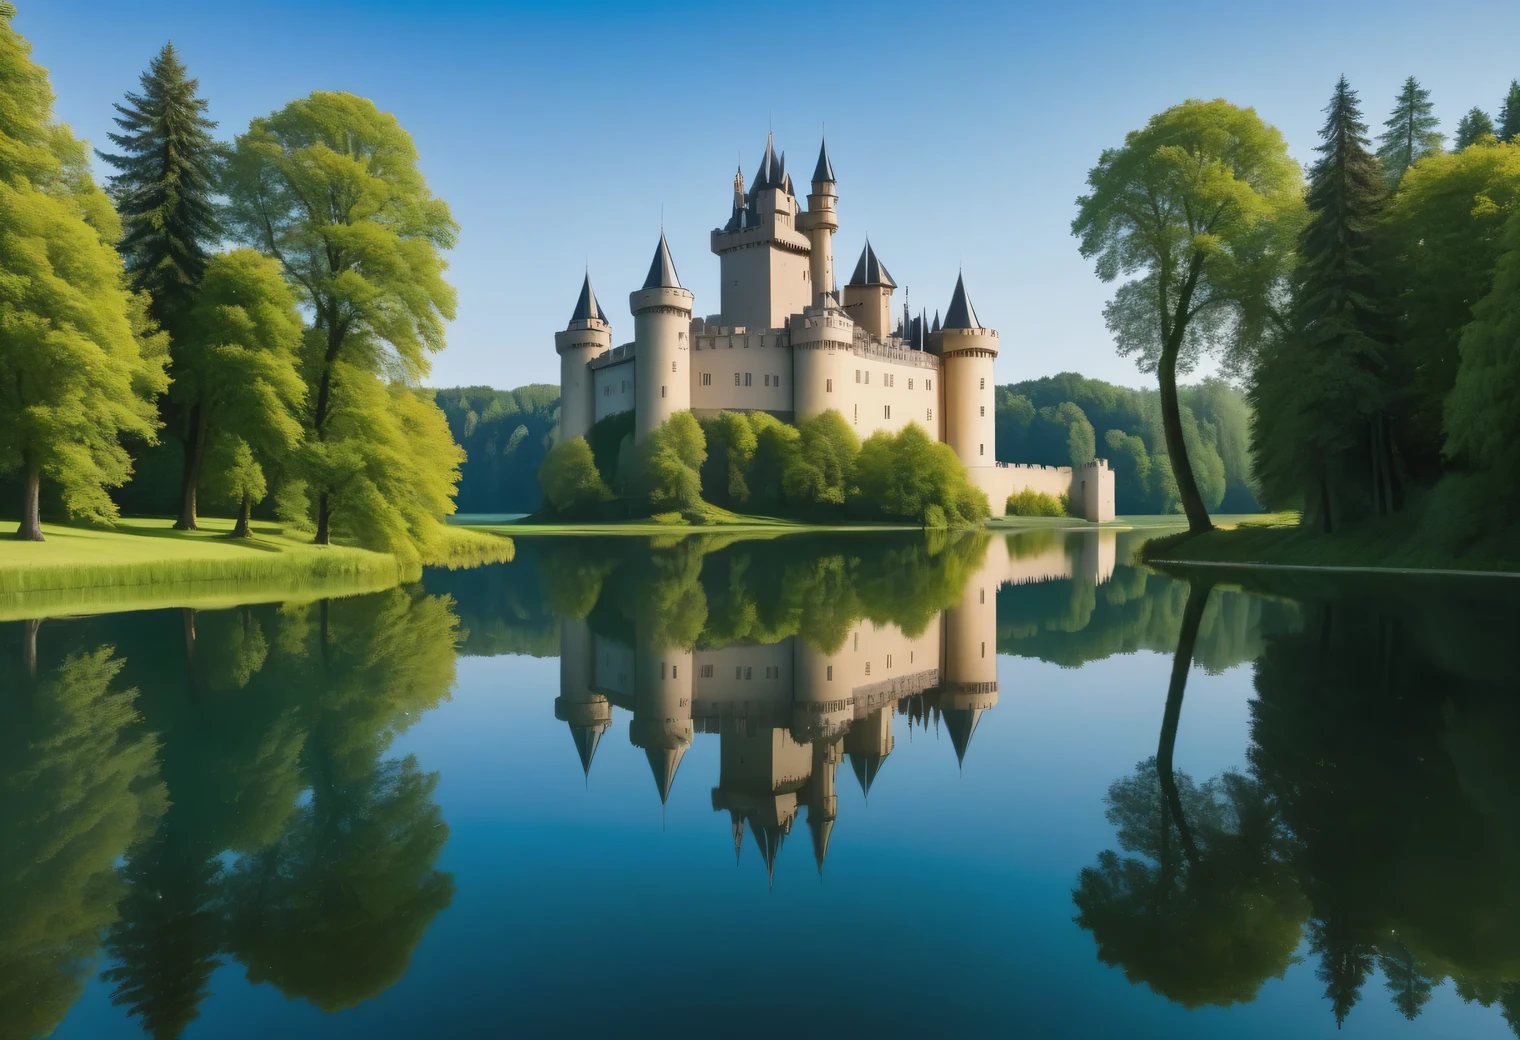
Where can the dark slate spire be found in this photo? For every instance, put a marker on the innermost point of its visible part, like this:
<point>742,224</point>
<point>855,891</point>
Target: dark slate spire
<point>961,314</point>
<point>664,762</point>
<point>586,308</point>
<point>961,722</point>
<point>662,272</point>
<point>936,321</point>
<point>768,176</point>
<point>866,767</point>
<point>869,270</point>
<point>823,173</point>
<point>586,739</point>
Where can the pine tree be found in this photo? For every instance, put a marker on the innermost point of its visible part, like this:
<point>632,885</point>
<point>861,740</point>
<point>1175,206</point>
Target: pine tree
<point>1319,431</point>
<point>1411,133</point>
<point>1509,114</point>
<point>1473,126</point>
<point>164,189</point>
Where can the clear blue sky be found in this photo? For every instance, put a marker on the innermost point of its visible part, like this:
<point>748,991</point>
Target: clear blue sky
<point>961,134</point>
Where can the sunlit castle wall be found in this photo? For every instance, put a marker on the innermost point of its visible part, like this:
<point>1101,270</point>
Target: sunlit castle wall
<point>741,371</point>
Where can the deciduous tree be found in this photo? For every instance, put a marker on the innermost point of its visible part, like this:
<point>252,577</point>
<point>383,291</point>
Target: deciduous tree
<point>1202,205</point>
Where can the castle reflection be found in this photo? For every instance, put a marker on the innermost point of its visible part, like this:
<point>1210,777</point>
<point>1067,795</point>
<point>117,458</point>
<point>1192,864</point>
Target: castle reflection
<point>787,713</point>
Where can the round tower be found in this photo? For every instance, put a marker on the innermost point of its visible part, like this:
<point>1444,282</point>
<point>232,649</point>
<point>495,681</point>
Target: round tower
<point>967,351</point>
<point>588,713</point>
<point>586,338</point>
<point>662,345</point>
<point>821,221</point>
<point>968,677</point>
<point>821,357</point>
<point>662,693</point>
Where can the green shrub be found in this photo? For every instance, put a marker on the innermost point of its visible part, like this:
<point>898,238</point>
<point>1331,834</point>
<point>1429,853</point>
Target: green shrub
<point>569,478</point>
<point>670,463</point>
<point>900,476</point>
<point>1030,502</point>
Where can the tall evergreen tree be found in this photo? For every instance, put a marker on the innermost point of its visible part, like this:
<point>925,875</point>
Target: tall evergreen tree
<point>1509,114</point>
<point>1411,132</point>
<point>1473,126</point>
<point>165,190</point>
<point>1319,430</point>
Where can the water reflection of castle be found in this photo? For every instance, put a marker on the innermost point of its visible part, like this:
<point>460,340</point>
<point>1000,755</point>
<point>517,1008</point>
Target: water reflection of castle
<point>787,713</point>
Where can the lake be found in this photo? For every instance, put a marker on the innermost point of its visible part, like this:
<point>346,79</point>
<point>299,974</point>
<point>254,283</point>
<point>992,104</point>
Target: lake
<point>841,785</point>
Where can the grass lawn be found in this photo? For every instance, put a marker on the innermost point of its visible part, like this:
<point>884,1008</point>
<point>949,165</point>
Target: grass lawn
<point>1277,540</point>
<point>146,563</point>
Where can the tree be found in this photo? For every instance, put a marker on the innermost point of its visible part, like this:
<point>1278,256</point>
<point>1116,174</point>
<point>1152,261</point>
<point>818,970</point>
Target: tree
<point>909,476</point>
<point>730,451</point>
<point>80,362</point>
<point>163,188</point>
<point>237,376</point>
<point>670,464</point>
<point>1411,132</point>
<point>1473,127</point>
<point>778,447</point>
<point>329,186</point>
<point>569,478</point>
<point>1509,114</point>
<point>824,465</point>
<point>1321,433</point>
<point>1203,203</point>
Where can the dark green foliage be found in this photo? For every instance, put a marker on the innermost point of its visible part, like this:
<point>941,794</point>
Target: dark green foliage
<point>1411,132</point>
<point>1509,114</point>
<point>1472,126</point>
<point>164,187</point>
<point>1321,433</point>
<point>609,437</point>
<point>1039,420</point>
<point>505,434</point>
<point>730,451</point>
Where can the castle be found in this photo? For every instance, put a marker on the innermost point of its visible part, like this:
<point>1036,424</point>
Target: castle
<point>789,342</point>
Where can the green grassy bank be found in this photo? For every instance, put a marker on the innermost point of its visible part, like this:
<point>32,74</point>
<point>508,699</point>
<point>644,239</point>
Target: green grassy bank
<point>1277,540</point>
<point>143,563</point>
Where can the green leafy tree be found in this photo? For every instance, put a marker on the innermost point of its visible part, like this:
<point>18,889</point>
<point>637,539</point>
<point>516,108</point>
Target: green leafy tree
<point>1410,132</point>
<point>778,448</point>
<point>570,481</point>
<point>330,187</point>
<point>1202,204</point>
<point>909,476</point>
<point>821,472</point>
<point>164,188</point>
<point>1321,435</point>
<point>1509,114</point>
<point>80,362</point>
<point>234,476</point>
<point>670,464</point>
<point>730,452</point>
<point>1473,127</point>
<point>237,375</point>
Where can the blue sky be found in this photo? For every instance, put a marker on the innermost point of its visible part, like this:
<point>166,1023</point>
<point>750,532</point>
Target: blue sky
<point>960,134</point>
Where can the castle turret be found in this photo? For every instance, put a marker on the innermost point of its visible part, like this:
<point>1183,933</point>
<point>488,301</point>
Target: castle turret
<point>820,222</point>
<point>967,351</point>
<point>868,743</point>
<point>968,675</point>
<point>662,344</point>
<point>822,801</point>
<point>588,713</point>
<point>765,274</point>
<point>586,338</point>
<point>868,294</point>
<point>662,693</point>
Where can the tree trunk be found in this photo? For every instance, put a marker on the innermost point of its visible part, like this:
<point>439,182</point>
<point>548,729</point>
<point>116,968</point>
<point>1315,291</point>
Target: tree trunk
<point>324,520</point>
<point>1182,663</point>
<point>241,529</point>
<point>1176,447</point>
<point>29,646</point>
<point>31,506</point>
<point>190,475</point>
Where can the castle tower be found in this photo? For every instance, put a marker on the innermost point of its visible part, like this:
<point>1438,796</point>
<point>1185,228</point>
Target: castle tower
<point>763,254</point>
<point>868,743</point>
<point>589,714</point>
<point>967,351</point>
<point>662,693</point>
<point>586,338</point>
<point>868,294</point>
<point>820,222</point>
<point>822,801</point>
<point>662,344</point>
<point>968,676</point>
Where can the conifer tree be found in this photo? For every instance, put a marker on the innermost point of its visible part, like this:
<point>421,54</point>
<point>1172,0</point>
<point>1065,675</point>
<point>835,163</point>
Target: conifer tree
<point>1319,428</point>
<point>1472,127</point>
<point>1509,114</point>
<point>164,189</point>
<point>1411,132</point>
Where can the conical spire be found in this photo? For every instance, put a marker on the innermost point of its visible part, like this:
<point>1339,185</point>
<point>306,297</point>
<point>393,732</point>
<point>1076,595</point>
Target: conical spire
<point>586,308</point>
<point>961,314</point>
<point>662,272</point>
<point>936,321</point>
<point>823,173</point>
<point>865,768</point>
<point>663,763</point>
<point>822,827</point>
<point>770,839</point>
<point>961,722</point>
<point>768,176</point>
<point>871,271</point>
<point>586,739</point>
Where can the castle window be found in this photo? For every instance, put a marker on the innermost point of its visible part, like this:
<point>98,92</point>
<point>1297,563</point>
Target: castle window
<point>748,379</point>
<point>981,449</point>
<point>929,415</point>
<point>857,640</point>
<point>928,384</point>
<point>984,595</point>
<point>707,379</point>
<point>662,391</point>
<point>868,377</point>
<point>984,649</point>
<point>910,384</point>
<point>857,375</point>
<point>736,379</point>
<point>868,667</point>
<point>674,670</point>
<point>857,413</point>
<point>672,366</point>
<point>984,383</point>
<point>828,386</point>
<point>889,660</point>
<point>886,411</point>
<point>749,673</point>
<point>984,411</point>
<point>707,671</point>
<point>767,380</point>
<point>829,674</point>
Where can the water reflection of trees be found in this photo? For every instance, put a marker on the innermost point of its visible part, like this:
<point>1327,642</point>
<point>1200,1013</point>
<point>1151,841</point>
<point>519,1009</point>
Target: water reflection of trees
<point>1381,808</point>
<point>183,788</point>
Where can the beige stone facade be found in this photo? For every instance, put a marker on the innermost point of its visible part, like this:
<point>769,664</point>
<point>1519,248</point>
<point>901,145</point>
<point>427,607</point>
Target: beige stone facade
<point>789,342</point>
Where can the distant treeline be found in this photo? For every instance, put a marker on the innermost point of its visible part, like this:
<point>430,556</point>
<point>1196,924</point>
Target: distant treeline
<point>505,435</point>
<point>1067,420</point>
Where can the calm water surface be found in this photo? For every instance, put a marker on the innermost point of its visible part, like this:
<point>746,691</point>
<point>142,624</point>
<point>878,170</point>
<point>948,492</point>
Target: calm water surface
<point>805,786</point>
